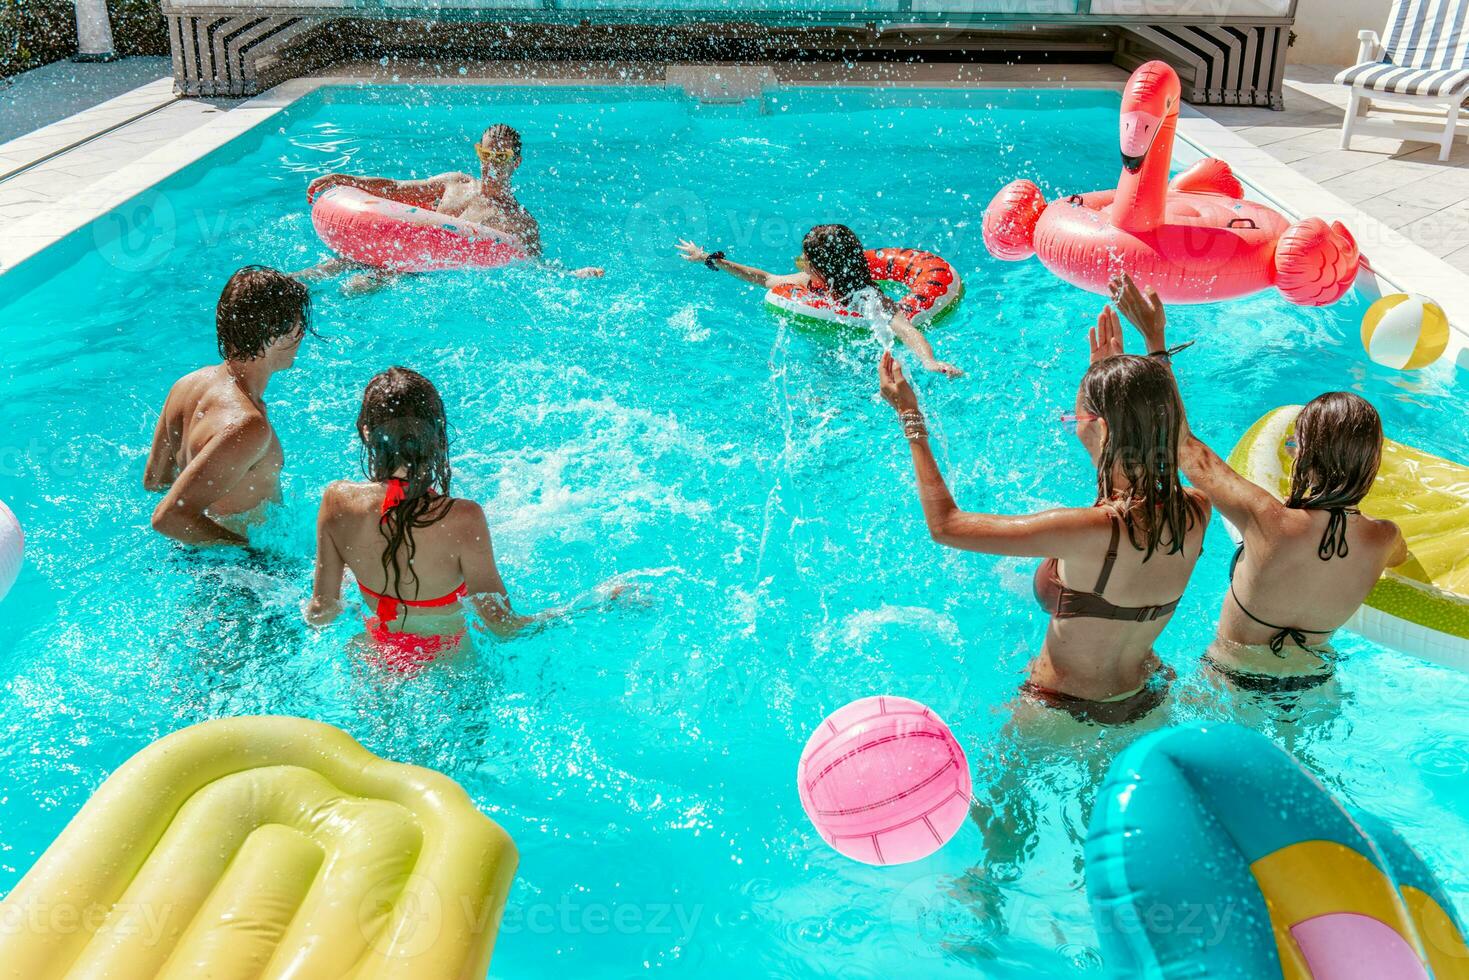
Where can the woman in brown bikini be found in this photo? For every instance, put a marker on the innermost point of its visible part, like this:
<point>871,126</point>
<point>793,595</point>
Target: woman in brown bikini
<point>1113,572</point>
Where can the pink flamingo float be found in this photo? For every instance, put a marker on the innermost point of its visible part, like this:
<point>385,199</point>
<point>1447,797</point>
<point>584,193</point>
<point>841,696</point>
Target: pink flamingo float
<point>1195,240</point>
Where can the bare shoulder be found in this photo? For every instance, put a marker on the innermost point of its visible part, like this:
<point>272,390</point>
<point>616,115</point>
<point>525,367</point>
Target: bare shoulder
<point>465,514</point>
<point>1382,531</point>
<point>351,496</point>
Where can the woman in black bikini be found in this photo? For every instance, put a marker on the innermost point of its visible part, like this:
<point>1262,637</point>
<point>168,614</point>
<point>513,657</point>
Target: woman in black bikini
<point>1306,564</point>
<point>1114,571</point>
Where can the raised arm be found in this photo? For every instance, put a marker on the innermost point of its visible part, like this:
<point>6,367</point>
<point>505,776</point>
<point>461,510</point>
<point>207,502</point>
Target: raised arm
<point>745,273</point>
<point>326,584</point>
<point>211,474</point>
<point>1054,533</point>
<point>1242,502</point>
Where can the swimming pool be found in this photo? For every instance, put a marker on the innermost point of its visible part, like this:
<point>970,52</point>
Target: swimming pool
<point>659,421</point>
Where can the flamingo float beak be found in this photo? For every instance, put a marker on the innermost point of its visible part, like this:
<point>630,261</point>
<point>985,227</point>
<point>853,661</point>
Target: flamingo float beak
<point>1139,130</point>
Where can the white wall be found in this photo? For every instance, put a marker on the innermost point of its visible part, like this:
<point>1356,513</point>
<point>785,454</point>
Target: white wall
<point>1326,30</point>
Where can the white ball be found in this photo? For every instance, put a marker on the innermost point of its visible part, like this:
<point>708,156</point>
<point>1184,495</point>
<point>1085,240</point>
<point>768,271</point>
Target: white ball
<point>12,549</point>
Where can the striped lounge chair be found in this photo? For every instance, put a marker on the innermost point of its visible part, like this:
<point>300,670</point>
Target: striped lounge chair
<point>1421,62</point>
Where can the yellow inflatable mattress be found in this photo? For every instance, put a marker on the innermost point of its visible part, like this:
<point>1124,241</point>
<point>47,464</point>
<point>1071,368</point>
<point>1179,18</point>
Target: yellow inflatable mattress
<point>263,848</point>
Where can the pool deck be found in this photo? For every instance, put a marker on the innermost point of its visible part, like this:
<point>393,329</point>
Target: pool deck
<point>1410,212</point>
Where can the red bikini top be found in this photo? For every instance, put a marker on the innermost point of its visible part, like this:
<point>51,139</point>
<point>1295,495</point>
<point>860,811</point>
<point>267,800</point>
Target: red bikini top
<point>387,608</point>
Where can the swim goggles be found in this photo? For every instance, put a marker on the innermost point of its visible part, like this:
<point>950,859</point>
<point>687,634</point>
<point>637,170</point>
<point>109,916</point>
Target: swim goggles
<point>489,155</point>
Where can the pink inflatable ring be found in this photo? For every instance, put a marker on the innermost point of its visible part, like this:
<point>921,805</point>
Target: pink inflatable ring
<point>399,237</point>
<point>1194,240</point>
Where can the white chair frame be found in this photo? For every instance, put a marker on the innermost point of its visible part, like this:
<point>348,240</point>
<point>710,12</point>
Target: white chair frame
<point>1357,122</point>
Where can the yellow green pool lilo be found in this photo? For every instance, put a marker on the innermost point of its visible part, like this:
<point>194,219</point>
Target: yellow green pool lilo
<point>263,847</point>
<point>1421,607</point>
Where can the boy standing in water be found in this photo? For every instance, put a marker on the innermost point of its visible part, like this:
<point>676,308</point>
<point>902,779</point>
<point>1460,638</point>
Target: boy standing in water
<point>487,201</point>
<point>215,456</point>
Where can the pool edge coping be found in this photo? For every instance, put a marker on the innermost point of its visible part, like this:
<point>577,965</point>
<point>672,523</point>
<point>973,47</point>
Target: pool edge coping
<point>1394,262</point>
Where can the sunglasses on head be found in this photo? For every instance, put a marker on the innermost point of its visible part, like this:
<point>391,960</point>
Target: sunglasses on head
<point>1075,418</point>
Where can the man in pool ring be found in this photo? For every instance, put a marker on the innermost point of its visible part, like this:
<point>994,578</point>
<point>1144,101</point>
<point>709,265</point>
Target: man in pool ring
<point>487,200</point>
<point>215,456</point>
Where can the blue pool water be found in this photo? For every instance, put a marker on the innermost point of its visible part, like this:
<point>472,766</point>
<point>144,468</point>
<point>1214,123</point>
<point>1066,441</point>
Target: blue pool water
<point>660,421</point>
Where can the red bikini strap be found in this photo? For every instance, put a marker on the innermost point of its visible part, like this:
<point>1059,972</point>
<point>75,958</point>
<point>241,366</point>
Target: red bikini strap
<point>397,491</point>
<point>1111,553</point>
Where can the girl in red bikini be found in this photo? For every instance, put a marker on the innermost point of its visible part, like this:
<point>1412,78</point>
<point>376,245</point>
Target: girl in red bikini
<point>418,554</point>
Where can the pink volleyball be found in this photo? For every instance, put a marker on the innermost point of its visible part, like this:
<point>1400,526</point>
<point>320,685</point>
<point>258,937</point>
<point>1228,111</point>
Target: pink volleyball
<point>884,781</point>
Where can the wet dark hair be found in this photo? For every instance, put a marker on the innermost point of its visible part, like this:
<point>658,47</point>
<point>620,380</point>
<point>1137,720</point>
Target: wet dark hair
<point>258,307</point>
<point>403,427</point>
<point>1137,398</point>
<point>836,253</point>
<point>1338,452</point>
<point>501,133</point>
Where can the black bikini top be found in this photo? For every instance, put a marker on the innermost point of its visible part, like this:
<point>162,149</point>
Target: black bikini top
<point>1333,545</point>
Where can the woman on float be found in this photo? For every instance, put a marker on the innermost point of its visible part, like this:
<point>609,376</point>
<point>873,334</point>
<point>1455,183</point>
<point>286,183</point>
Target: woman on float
<point>1306,564</point>
<point>1114,571</point>
<point>832,259</point>
<point>418,554</point>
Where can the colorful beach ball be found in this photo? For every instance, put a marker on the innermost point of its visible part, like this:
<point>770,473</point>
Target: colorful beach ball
<point>12,549</point>
<point>885,781</point>
<point>1405,332</point>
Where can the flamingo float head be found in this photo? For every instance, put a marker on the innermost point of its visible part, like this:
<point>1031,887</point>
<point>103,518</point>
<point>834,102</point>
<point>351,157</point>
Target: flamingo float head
<point>1151,99</point>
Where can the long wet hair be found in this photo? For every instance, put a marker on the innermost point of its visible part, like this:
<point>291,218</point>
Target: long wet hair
<point>404,428</point>
<point>836,254</point>
<point>1339,450</point>
<point>1338,453</point>
<point>1137,398</point>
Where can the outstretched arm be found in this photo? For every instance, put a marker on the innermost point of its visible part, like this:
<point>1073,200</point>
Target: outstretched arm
<point>745,273</point>
<point>216,470</point>
<point>490,598</point>
<point>915,341</point>
<point>419,193</point>
<point>1048,534</point>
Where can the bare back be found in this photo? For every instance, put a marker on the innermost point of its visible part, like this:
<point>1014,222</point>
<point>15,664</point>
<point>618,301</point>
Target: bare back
<point>1281,579</point>
<point>205,411</point>
<point>1093,658</point>
<point>443,557</point>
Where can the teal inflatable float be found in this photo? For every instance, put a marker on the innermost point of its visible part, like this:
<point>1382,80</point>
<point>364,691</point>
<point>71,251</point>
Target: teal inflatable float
<point>1213,854</point>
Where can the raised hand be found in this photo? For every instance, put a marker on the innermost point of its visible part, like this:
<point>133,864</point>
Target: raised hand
<point>1105,339</point>
<point>896,390</point>
<point>691,252</point>
<point>1143,310</point>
